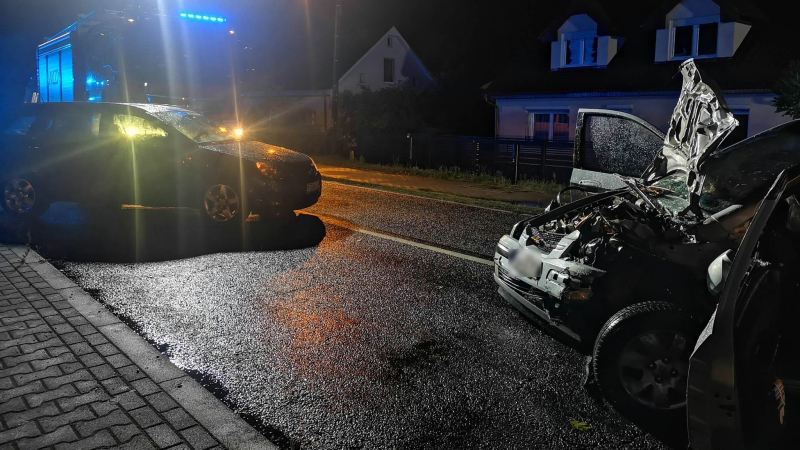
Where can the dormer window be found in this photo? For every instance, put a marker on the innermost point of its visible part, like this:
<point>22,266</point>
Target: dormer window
<point>692,29</point>
<point>695,38</point>
<point>578,43</point>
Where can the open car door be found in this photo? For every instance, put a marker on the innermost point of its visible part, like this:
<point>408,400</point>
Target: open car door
<point>611,142</point>
<point>734,399</point>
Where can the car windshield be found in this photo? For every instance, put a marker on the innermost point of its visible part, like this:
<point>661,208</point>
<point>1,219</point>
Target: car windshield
<point>195,126</point>
<point>672,192</point>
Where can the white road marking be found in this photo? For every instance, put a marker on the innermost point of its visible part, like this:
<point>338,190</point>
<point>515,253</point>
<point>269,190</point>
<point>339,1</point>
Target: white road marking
<point>328,180</point>
<point>425,246</point>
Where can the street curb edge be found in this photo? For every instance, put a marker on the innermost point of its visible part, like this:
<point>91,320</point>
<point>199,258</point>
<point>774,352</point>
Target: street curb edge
<point>226,426</point>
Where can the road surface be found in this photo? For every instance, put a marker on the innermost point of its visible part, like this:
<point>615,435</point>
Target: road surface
<point>369,321</point>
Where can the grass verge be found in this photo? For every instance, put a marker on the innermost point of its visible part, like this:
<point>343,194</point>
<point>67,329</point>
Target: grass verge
<point>510,207</point>
<point>444,173</point>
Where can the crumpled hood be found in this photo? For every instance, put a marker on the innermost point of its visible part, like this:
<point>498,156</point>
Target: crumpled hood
<point>700,122</point>
<point>257,151</point>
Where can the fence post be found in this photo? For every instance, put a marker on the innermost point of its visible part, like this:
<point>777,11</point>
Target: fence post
<point>544,160</point>
<point>516,163</point>
<point>475,155</point>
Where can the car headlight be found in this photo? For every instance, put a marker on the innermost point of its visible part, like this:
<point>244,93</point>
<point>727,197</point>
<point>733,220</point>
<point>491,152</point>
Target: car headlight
<point>266,169</point>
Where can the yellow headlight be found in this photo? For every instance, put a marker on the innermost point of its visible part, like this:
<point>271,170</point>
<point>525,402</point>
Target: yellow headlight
<point>238,132</point>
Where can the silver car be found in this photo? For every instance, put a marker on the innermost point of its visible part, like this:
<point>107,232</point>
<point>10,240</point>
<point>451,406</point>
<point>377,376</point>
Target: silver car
<point>621,271</point>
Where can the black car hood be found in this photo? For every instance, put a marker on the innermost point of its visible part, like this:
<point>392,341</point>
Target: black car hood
<point>257,151</point>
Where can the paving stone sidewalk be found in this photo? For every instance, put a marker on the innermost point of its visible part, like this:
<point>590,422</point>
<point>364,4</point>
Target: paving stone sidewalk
<point>65,385</point>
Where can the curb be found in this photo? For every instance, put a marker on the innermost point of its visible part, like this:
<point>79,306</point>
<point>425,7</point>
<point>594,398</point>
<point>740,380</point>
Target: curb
<point>227,427</point>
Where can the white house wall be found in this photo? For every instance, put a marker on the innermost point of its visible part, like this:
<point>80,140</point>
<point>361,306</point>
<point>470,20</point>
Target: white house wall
<point>407,67</point>
<point>513,113</point>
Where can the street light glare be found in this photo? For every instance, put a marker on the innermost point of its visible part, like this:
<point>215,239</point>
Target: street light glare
<point>232,32</point>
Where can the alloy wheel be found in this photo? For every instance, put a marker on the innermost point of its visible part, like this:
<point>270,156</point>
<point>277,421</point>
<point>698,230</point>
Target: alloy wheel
<point>18,196</point>
<point>221,203</point>
<point>653,369</point>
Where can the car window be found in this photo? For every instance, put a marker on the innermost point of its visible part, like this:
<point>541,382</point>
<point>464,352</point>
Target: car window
<point>20,126</point>
<point>195,126</point>
<point>136,128</point>
<point>619,145</point>
<point>78,125</point>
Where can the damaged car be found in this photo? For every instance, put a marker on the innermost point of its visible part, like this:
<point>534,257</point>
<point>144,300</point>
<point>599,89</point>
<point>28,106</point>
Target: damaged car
<point>744,374</point>
<point>622,271</point>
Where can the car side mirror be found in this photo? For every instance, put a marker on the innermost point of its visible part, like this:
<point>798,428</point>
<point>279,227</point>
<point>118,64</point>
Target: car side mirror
<point>718,271</point>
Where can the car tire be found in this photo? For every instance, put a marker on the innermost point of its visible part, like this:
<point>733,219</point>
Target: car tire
<point>222,206</point>
<point>21,200</point>
<point>641,363</point>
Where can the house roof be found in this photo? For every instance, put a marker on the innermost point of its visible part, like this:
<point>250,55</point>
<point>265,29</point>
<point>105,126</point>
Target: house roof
<point>762,55</point>
<point>392,32</point>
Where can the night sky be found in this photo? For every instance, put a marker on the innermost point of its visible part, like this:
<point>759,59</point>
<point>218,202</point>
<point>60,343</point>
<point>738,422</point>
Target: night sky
<point>292,40</point>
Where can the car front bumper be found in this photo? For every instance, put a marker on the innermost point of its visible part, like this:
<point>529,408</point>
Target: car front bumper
<point>286,194</point>
<point>524,296</point>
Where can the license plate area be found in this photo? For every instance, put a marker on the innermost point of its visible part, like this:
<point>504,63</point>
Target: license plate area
<point>313,187</point>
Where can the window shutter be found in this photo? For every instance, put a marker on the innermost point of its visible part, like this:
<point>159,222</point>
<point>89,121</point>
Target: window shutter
<point>555,55</point>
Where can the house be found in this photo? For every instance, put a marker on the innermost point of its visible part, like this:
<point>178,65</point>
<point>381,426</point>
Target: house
<point>390,62</point>
<point>621,55</point>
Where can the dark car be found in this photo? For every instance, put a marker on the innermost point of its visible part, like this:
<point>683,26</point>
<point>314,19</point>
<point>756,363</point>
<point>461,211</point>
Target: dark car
<point>106,155</point>
<point>622,272</point>
<point>744,375</point>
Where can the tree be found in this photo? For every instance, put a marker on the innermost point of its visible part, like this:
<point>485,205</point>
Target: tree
<point>787,90</point>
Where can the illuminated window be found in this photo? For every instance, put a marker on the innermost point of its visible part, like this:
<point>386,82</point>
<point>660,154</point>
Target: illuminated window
<point>548,126</point>
<point>136,128</point>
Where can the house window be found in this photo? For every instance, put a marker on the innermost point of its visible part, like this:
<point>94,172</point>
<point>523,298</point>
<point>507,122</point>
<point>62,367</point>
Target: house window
<point>390,42</point>
<point>361,78</point>
<point>580,51</point>
<point>388,70</point>
<point>548,126</point>
<point>695,37</point>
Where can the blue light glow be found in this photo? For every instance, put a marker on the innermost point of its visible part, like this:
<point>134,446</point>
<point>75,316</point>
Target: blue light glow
<point>202,17</point>
<point>94,99</point>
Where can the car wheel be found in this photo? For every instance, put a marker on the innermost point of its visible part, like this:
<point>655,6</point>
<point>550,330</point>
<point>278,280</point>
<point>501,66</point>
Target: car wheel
<point>222,205</point>
<point>20,199</point>
<point>641,363</point>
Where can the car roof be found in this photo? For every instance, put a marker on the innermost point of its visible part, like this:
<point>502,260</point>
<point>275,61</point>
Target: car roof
<point>72,106</point>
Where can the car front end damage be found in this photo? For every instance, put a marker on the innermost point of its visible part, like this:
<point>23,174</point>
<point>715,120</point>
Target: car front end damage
<point>578,264</point>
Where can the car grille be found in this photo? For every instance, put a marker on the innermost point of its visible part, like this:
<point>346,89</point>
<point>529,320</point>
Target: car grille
<point>513,283</point>
<point>545,239</point>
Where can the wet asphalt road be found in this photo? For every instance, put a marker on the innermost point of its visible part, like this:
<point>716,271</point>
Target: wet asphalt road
<point>332,338</point>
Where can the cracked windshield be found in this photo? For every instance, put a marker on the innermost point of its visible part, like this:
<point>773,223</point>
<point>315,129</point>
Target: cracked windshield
<point>352,224</point>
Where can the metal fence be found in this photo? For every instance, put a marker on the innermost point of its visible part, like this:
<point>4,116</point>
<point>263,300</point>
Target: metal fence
<point>513,158</point>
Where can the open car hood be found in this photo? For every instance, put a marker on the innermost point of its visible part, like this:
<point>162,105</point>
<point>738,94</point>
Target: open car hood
<point>699,123</point>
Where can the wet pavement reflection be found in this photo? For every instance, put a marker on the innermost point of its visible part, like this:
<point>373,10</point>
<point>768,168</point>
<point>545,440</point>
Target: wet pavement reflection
<point>329,338</point>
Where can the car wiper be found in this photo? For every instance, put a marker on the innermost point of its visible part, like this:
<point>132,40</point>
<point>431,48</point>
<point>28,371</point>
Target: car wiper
<point>656,205</point>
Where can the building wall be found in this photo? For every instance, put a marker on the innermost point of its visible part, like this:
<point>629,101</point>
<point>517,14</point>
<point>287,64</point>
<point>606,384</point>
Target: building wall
<point>407,67</point>
<point>513,113</point>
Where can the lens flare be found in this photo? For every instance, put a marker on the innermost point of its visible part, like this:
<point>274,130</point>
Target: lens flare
<point>238,132</point>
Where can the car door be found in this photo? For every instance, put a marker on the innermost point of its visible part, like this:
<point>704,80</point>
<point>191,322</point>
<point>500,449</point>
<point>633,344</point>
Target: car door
<point>714,407</point>
<point>612,142</point>
<point>65,136</point>
<point>141,158</point>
